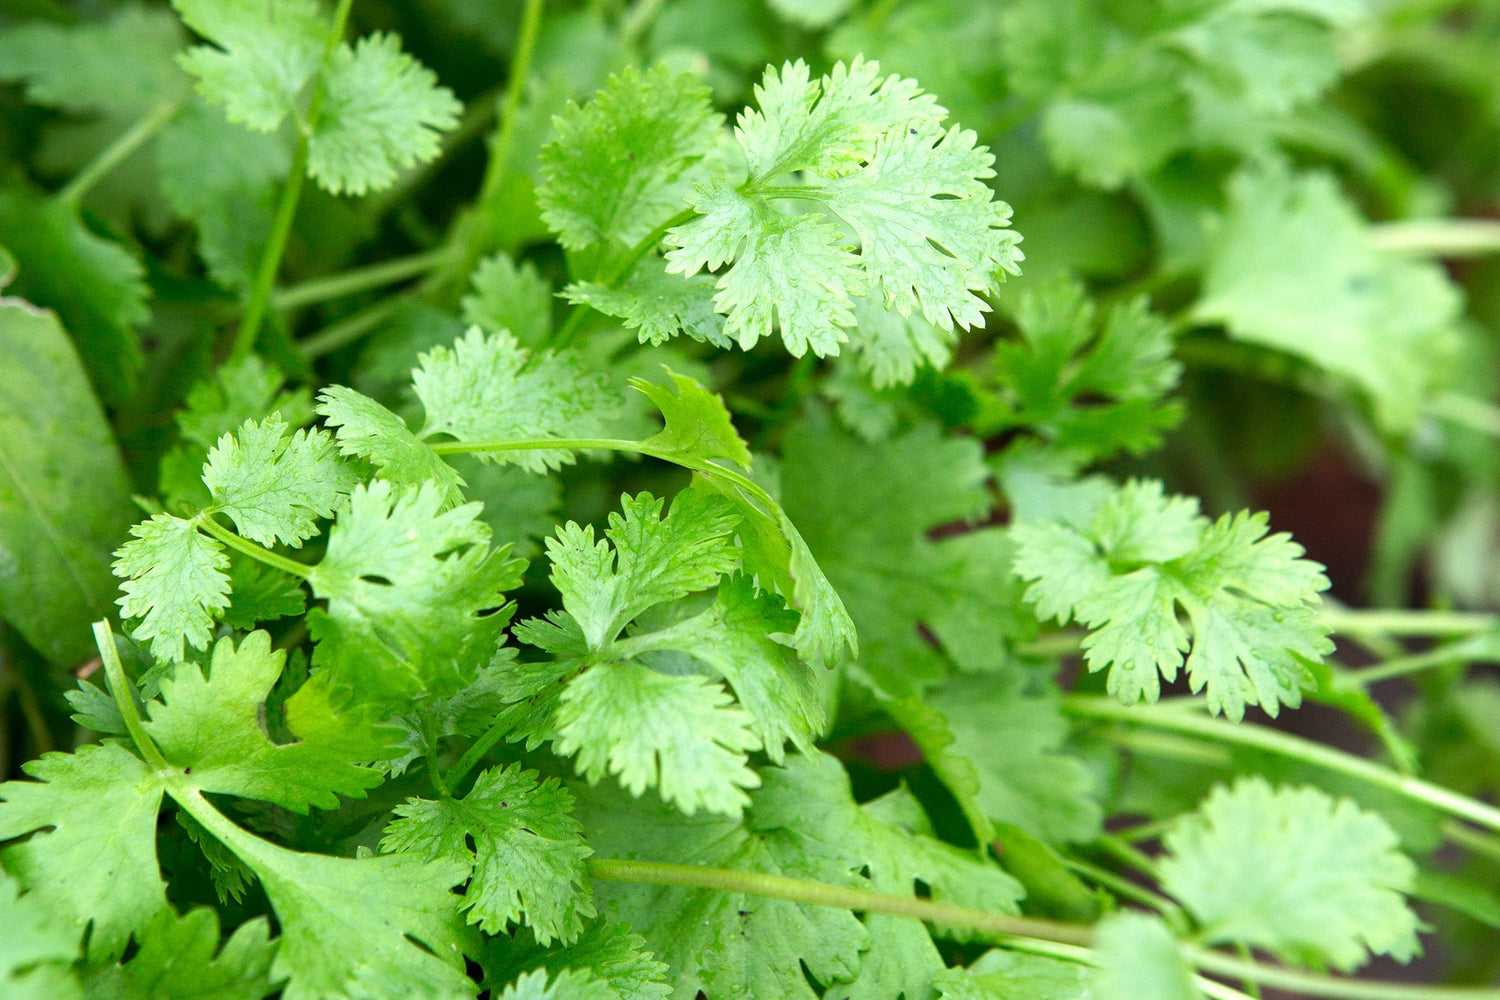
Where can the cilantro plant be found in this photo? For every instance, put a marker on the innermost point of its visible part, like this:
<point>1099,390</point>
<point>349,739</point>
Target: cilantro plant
<point>561,501</point>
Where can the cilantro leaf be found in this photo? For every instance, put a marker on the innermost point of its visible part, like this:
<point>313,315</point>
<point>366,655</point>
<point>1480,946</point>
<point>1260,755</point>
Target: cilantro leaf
<point>1144,560</point>
<point>930,235</point>
<point>214,723</point>
<point>414,594</point>
<point>1292,267</point>
<point>1000,975</point>
<point>241,389</point>
<point>382,112</point>
<point>40,946</point>
<point>94,857</point>
<point>696,425</point>
<point>1294,871</point>
<point>176,583</point>
<point>527,855</point>
<point>365,429</point>
<point>490,388</point>
<point>653,559</point>
<point>1087,384</point>
<point>607,950</point>
<point>682,735</point>
<point>1138,957</point>
<point>274,483</point>
<point>621,164</point>
<point>509,297</point>
<point>262,55</point>
<point>657,305</point>
<point>180,958</point>
<point>567,984</point>
<point>120,64</point>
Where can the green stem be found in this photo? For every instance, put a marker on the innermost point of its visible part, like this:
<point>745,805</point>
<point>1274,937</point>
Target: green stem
<point>291,194</point>
<point>361,279</point>
<point>619,273</point>
<point>1471,839</point>
<point>1126,889</point>
<point>257,552</point>
<point>270,258</point>
<point>798,890</point>
<point>348,330</point>
<point>1404,666</point>
<point>1401,621</point>
<point>477,750</point>
<point>119,687</point>
<point>1311,984</point>
<point>1293,747</point>
<point>1449,238</point>
<point>118,152</point>
<point>1475,414</point>
<point>1121,850</point>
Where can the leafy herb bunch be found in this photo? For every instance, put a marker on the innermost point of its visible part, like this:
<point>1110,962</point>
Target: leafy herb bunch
<point>463,643</point>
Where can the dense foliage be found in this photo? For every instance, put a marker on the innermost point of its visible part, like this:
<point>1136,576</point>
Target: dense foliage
<point>599,500</point>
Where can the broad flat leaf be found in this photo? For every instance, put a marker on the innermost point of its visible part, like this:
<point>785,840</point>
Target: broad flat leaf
<point>1291,266</point>
<point>367,430</point>
<point>1138,958</point>
<point>96,286</point>
<point>92,851</point>
<point>1294,871</point>
<point>274,483</point>
<point>414,592</point>
<point>1015,742</point>
<point>39,947</point>
<point>382,112</point>
<point>215,725</point>
<point>180,958</point>
<point>527,854</point>
<point>510,297</point>
<point>176,582</point>
<point>64,498</point>
<point>263,53</point>
<point>682,735</point>
<point>621,164</point>
<point>120,64</point>
<point>697,424</point>
<point>1250,597</point>
<point>490,388</point>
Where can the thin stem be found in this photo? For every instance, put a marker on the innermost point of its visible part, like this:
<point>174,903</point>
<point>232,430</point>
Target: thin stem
<point>1121,850</point>
<point>1294,747</point>
<point>348,330</point>
<point>1311,984</point>
<point>798,890</point>
<point>270,258</point>
<point>1126,889</point>
<point>360,279</point>
<point>1401,621</point>
<point>619,273</point>
<point>118,152</point>
<point>291,194</point>
<point>1471,839</point>
<point>1449,238</point>
<point>1404,666</point>
<point>119,687</point>
<point>1475,414</point>
<point>257,552</point>
<point>476,751</point>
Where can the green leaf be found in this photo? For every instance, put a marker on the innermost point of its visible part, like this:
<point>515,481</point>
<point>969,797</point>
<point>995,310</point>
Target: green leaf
<point>274,483</point>
<point>653,559</point>
<point>606,950</point>
<point>621,165</point>
<point>1089,385</point>
<point>1138,957</point>
<point>176,583</point>
<point>39,947</point>
<point>1008,975</point>
<point>263,54</point>
<point>930,234</point>
<point>367,920</point>
<point>681,735</point>
<point>657,305</point>
<point>527,854</point>
<point>414,592</point>
<point>510,297</point>
<point>1016,742</point>
<point>1294,871</point>
<point>120,64</point>
<point>91,854</point>
<point>96,286</point>
<point>382,112</point>
<point>1291,266</point>
<point>64,498</point>
<point>180,958</point>
<point>490,388</point>
<point>216,726</point>
<point>367,430</point>
<point>1250,597</point>
<point>566,985</point>
<point>697,424</point>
